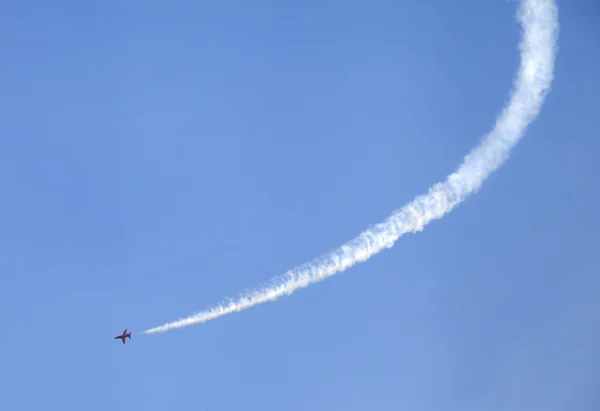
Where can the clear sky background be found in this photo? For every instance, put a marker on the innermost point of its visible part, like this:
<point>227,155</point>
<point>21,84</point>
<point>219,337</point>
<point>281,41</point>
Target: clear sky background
<point>157,157</point>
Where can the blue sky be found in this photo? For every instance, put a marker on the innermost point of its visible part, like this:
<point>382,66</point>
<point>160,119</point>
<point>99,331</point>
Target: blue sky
<point>156,158</point>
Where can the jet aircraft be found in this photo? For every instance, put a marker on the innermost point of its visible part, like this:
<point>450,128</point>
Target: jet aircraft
<point>123,336</point>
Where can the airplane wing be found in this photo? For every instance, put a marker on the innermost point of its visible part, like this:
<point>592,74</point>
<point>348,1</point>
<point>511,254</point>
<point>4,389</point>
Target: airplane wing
<point>125,332</point>
<point>123,340</point>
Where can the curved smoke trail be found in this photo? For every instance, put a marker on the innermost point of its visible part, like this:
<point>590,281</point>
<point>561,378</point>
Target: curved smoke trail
<point>539,20</point>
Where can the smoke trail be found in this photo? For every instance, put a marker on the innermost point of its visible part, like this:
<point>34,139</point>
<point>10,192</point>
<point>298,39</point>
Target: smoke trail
<point>539,20</point>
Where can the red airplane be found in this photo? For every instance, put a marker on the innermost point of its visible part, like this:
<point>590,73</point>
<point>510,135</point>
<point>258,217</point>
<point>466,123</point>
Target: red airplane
<point>122,336</point>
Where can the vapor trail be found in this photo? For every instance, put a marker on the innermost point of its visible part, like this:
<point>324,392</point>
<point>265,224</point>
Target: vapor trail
<point>539,20</point>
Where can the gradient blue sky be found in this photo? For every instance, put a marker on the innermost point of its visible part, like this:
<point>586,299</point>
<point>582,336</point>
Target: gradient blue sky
<point>157,157</point>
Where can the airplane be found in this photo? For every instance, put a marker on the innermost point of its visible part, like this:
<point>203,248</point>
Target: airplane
<point>123,336</point>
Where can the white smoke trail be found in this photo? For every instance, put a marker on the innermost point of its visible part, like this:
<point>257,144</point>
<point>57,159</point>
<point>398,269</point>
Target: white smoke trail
<point>539,20</point>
